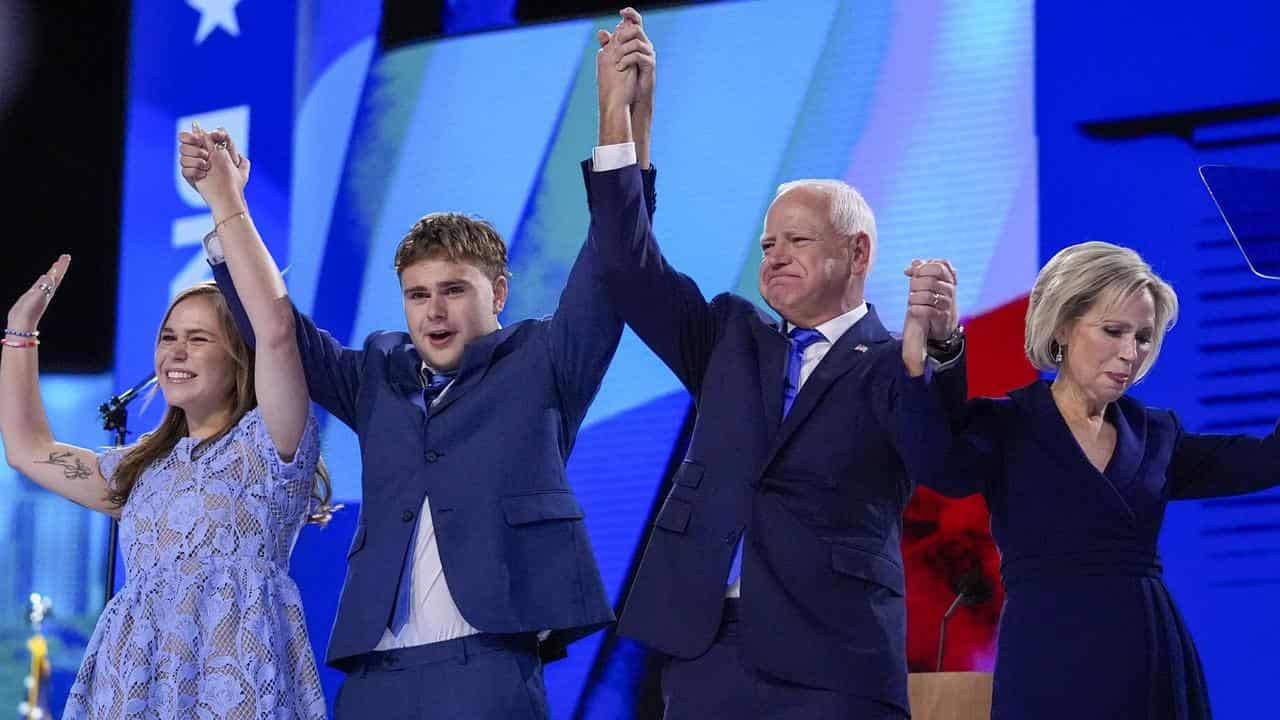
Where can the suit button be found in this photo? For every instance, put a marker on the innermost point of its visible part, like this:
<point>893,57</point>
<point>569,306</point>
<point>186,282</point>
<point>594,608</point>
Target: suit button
<point>433,456</point>
<point>407,516</point>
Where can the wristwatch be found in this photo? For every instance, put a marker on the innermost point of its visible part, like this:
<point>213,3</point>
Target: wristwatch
<point>213,247</point>
<point>949,348</point>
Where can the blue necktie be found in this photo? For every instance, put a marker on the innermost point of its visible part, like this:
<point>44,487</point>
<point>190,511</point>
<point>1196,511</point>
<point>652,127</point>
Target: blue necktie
<point>404,593</point>
<point>799,339</point>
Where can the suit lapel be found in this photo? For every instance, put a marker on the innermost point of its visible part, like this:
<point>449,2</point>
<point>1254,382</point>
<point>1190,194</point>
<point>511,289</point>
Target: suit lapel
<point>1130,420</point>
<point>843,356</point>
<point>771,357</point>
<point>1052,433</point>
<point>405,372</point>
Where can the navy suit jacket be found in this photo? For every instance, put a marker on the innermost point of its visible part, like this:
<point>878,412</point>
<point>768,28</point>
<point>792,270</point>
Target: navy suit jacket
<point>491,456</point>
<point>820,495</point>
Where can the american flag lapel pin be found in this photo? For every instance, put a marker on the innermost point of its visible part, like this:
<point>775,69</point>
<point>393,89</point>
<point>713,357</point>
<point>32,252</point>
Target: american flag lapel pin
<point>860,347</point>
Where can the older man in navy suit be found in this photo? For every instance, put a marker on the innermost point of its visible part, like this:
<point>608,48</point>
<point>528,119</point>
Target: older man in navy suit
<point>804,451</point>
<point>470,560</point>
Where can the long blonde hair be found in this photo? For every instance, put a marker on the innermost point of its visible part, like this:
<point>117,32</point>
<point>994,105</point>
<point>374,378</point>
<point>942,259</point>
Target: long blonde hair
<point>158,443</point>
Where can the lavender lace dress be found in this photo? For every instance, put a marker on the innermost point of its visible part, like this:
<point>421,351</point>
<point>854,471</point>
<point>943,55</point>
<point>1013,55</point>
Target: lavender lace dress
<point>209,624</point>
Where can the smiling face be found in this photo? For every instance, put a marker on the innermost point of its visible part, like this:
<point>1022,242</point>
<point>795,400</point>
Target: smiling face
<point>1105,348</point>
<point>194,363</point>
<point>809,273</point>
<point>447,304</point>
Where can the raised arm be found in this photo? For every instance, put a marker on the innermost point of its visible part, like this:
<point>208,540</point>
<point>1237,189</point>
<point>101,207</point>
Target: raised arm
<point>664,307</point>
<point>930,335</point>
<point>278,378</point>
<point>29,445</point>
<point>1211,465</point>
<point>633,49</point>
<point>332,371</point>
<point>947,445</point>
<point>956,452</point>
<point>586,328</point>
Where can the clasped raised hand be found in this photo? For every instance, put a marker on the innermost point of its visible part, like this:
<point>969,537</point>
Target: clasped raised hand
<point>626,63</point>
<point>931,296</point>
<point>213,166</point>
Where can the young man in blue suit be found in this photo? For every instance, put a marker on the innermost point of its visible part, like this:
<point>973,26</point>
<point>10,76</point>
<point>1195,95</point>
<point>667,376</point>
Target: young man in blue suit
<point>803,454</point>
<point>470,560</point>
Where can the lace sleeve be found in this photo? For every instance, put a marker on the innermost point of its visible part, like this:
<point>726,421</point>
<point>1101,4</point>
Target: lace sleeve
<point>303,464</point>
<point>108,460</point>
<point>291,481</point>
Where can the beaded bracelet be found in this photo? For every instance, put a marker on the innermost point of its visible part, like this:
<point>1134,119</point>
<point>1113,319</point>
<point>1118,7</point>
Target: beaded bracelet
<point>20,343</point>
<point>22,333</point>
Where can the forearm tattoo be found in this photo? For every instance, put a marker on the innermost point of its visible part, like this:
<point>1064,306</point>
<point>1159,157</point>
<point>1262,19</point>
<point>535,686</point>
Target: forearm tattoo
<point>72,467</point>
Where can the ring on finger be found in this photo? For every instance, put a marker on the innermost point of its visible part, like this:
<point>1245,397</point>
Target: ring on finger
<point>221,144</point>
<point>936,297</point>
<point>47,289</point>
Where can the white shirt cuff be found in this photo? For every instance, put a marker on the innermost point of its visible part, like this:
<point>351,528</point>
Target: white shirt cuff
<point>611,157</point>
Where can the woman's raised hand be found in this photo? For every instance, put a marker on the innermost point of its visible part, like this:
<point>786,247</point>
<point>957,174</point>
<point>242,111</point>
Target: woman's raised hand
<point>213,166</point>
<point>25,314</point>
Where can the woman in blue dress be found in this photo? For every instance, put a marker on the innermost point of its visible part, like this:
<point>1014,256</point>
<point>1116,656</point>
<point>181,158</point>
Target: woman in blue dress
<point>208,623</point>
<point>1076,474</point>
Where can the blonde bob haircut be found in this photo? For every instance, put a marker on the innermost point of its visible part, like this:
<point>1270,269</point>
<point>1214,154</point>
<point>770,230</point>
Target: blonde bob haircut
<point>1075,280</point>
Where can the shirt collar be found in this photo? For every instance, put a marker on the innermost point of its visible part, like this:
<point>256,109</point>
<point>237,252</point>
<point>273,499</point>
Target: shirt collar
<point>426,372</point>
<point>838,325</point>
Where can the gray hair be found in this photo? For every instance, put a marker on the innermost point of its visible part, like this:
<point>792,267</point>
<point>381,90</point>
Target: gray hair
<point>850,213</point>
<point>1078,277</point>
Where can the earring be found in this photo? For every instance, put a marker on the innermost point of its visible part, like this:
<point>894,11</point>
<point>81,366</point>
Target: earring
<point>1057,357</point>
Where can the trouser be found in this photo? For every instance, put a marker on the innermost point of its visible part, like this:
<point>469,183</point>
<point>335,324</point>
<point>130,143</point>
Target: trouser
<point>485,677</point>
<point>721,685</point>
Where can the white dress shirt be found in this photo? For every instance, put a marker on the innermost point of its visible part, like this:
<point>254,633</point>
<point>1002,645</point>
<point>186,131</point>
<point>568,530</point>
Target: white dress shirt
<point>831,330</point>
<point>433,615</point>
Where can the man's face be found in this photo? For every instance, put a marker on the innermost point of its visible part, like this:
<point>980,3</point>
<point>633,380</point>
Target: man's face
<point>448,304</point>
<point>806,269</point>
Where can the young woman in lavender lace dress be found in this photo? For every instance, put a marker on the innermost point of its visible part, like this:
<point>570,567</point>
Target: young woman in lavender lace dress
<point>208,623</point>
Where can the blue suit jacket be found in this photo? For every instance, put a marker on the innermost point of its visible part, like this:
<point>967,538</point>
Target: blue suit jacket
<point>491,458</point>
<point>819,495</point>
